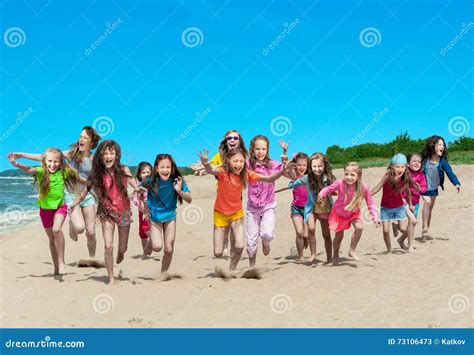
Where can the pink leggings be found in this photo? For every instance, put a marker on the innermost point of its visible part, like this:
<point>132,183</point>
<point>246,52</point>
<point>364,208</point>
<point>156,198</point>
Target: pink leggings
<point>259,223</point>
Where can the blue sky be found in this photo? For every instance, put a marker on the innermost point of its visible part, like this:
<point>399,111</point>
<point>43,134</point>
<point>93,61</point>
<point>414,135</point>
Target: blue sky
<point>145,82</point>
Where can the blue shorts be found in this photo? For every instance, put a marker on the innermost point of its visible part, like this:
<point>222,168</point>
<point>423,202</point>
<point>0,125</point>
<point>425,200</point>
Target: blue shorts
<point>297,211</point>
<point>89,200</point>
<point>393,214</point>
<point>417,207</point>
<point>431,193</point>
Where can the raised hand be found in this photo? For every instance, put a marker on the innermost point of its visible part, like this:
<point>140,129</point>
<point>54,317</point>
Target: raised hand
<point>283,145</point>
<point>12,158</point>
<point>204,156</point>
<point>178,184</point>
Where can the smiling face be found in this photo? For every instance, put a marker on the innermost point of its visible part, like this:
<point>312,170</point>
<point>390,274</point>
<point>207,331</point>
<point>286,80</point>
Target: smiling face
<point>109,155</point>
<point>260,149</point>
<point>236,163</point>
<point>52,161</point>
<point>317,166</point>
<point>164,169</point>
<point>439,148</point>
<point>85,141</point>
<point>351,175</point>
<point>399,170</point>
<point>146,171</point>
<point>232,140</point>
<point>415,163</point>
<point>301,166</point>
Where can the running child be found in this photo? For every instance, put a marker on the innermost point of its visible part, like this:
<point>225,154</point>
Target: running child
<point>346,210</point>
<point>108,181</point>
<point>52,177</point>
<point>165,187</point>
<point>395,182</point>
<point>143,170</point>
<point>435,164</point>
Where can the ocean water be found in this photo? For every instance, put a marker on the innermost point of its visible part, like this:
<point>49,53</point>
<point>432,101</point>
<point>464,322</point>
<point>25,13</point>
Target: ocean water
<point>18,203</point>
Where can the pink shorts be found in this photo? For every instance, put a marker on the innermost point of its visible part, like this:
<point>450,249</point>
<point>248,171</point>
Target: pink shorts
<point>47,216</point>
<point>143,226</point>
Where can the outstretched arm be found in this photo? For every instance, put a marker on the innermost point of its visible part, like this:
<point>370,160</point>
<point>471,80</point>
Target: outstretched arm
<point>26,168</point>
<point>204,156</point>
<point>379,185</point>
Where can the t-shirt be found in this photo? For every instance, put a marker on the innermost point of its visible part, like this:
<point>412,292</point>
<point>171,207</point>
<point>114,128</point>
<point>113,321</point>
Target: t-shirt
<point>262,194</point>
<point>216,160</point>
<point>162,205</point>
<point>390,197</point>
<point>229,191</point>
<point>117,202</point>
<point>300,196</point>
<point>432,175</point>
<point>55,196</point>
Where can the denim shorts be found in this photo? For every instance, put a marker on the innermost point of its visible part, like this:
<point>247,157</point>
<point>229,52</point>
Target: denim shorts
<point>393,214</point>
<point>297,211</point>
<point>431,193</point>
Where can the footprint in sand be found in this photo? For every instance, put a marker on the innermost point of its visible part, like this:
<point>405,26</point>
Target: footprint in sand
<point>169,277</point>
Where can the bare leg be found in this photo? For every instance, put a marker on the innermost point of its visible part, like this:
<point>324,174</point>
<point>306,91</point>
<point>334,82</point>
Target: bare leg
<point>239,237</point>
<point>312,237</point>
<point>155,242</point>
<point>76,224</point>
<point>108,229</point>
<point>59,241</point>
<point>299,225</point>
<point>52,249</point>
<point>386,236</point>
<point>220,234</point>
<point>169,236</point>
<point>336,246</point>
<point>123,232</point>
<point>89,214</point>
<point>358,227</point>
<point>433,200</point>
<point>428,203</point>
<point>327,239</point>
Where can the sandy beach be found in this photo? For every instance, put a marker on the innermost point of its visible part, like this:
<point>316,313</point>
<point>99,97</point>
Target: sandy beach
<point>432,287</point>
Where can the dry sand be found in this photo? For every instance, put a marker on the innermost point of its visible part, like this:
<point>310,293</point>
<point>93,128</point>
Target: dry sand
<point>432,287</point>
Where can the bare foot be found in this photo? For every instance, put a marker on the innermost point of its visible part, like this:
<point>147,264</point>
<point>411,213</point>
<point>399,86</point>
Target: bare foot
<point>353,255</point>
<point>335,260</point>
<point>301,259</point>
<point>389,251</point>
<point>265,248</point>
<point>111,281</point>
<point>402,244</point>
<point>225,252</point>
<point>312,259</point>
<point>410,249</point>
<point>329,261</point>
<point>120,257</point>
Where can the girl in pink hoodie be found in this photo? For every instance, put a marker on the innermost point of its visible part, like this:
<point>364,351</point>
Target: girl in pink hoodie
<point>419,178</point>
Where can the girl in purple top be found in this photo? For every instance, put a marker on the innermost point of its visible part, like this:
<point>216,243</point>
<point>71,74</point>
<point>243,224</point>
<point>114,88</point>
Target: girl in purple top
<point>261,205</point>
<point>346,210</point>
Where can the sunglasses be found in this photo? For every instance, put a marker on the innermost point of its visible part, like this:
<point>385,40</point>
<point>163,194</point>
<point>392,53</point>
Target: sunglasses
<point>235,138</point>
